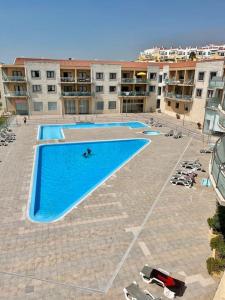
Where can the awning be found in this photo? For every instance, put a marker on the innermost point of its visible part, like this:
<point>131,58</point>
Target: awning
<point>141,74</point>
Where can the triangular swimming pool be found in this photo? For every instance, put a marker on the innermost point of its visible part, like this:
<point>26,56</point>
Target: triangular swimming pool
<point>63,177</point>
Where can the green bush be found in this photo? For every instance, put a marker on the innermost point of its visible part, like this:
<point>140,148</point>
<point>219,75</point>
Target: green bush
<point>214,265</point>
<point>218,243</point>
<point>214,223</point>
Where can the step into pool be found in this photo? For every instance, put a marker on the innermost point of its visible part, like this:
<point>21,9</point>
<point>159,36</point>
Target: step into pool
<point>63,176</point>
<point>55,132</point>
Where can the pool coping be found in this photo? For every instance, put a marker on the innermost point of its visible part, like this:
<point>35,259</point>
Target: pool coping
<point>64,124</point>
<point>33,182</point>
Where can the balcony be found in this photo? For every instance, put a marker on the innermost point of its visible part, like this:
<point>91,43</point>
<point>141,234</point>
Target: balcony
<point>76,94</point>
<point>179,97</point>
<point>16,94</point>
<point>212,103</point>
<point>84,80</point>
<point>14,78</point>
<point>134,94</point>
<point>135,80</point>
<point>217,83</point>
<point>67,79</point>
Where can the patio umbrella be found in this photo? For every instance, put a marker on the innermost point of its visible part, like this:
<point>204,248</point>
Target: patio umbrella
<point>141,74</point>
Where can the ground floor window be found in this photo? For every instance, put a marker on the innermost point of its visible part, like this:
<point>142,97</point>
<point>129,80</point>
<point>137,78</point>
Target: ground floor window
<point>112,104</point>
<point>158,103</point>
<point>52,105</point>
<point>70,107</point>
<point>22,108</point>
<point>177,105</point>
<point>38,106</point>
<point>100,105</point>
<point>133,106</point>
<point>83,106</point>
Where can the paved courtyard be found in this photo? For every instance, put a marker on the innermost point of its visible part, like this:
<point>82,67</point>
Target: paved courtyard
<point>135,217</point>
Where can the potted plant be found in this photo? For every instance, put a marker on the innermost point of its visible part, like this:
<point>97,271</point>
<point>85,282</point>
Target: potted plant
<point>199,125</point>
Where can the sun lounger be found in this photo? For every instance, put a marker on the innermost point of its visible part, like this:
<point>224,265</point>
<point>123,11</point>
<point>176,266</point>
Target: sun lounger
<point>178,135</point>
<point>133,292</point>
<point>172,286</point>
<point>170,133</point>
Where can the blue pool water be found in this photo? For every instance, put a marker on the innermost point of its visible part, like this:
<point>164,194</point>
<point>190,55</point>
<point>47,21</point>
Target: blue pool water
<point>63,177</point>
<point>55,132</point>
<point>152,132</point>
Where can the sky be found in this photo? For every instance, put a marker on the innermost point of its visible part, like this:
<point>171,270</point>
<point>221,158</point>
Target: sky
<point>103,29</point>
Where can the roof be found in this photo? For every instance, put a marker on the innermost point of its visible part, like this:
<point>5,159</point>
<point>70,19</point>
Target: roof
<point>70,63</point>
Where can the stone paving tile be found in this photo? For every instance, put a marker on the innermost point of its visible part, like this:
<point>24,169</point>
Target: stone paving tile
<point>86,246</point>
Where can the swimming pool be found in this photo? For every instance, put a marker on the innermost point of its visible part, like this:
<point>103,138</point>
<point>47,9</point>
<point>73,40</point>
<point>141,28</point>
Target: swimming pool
<point>55,132</point>
<point>63,177</point>
<point>151,132</point>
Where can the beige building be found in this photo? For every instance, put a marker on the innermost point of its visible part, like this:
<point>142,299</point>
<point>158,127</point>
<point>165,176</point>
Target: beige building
<point>187,90</point>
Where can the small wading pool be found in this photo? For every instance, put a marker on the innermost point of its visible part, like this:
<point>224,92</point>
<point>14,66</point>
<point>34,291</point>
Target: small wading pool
<point>151,132</point>
<point>55,132</point>
<point>63,177</point>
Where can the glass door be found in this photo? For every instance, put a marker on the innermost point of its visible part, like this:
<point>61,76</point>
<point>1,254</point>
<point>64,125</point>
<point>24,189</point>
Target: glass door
<point>83,106</point>
<point>70,107</point>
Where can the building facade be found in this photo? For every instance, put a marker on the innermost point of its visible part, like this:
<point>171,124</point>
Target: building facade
<point>189,90</point>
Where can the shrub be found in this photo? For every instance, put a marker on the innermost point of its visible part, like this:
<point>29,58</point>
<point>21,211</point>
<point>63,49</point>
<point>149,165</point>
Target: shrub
<point>214,223</point>
<point>214,265</point>
<point>218,243</point>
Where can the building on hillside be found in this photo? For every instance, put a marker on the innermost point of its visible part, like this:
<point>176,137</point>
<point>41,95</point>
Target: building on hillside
<point>179,54</point>
<point>188,90</point>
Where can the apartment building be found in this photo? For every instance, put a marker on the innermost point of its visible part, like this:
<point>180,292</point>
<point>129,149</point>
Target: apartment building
<point>189,90</point>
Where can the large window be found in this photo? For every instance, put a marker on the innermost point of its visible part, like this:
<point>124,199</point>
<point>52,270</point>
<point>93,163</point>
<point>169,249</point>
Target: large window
<point>212,74</point>
<point>153,76</point>
<point>100,105</point>
<point>199,93</point>
<point>36,88</point>
<point>51,88</point>
<point>99,88</point>
<point>209,93</point>
<point>159,90</point>
<point>52,105</point>
<point>177,105</point>
<point>99,75</point>
<point>152,88</point>
<point>38,106</point>
<point>112,76</point>
<point>201,76</point>
<point>112,104</point>
<point>50,74</point>
<point>35,74</point>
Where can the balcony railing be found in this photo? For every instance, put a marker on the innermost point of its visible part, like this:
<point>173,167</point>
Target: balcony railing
<point>83,79</point>
<point>14,78</point>
<point>16,94</point>
<point>174,81</point>
<point>134,80</point>
<point>67,79</point>
<point>217,83</point>
<point>212,103</point>
<point>179,97</point>
<point>134,93</point>
<point>75,94</point>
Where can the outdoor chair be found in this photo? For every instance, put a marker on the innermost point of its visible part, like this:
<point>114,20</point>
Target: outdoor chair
<point>133,292</point>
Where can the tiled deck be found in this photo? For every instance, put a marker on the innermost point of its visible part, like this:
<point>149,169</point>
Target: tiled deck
<point>136,217</point>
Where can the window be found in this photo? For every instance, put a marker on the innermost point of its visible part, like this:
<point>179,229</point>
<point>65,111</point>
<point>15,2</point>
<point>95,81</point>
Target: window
<point>159,91</point>
<point>158,103</point>
<point>164,75</point>
<point>152,76</point>
<point>177,105</point>
<point>169,103</point>
<point>36,88</point>
<point>209,93</point>
<point>186,107</point>
<point>100,105</point>
<point>17,73</point>
<point>199,93</point>
<point>52,105</point>
<point>35,74</point>
<point>99,88</point>
<point>201,76</point>
<point>112,76</point>
<point>38,106</point>
<point>212,74</point>
<point>50,74</point>
<point>112,104</point>
<point>112,89</point>
<point>160,78</point>
<point>51,88</point>
<point>99,76</point>
<point>152,88</point>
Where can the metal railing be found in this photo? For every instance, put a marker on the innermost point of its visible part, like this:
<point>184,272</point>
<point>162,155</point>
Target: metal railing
<point>83,79</point>
<point>134,93</point>
<point>217,82</point>
<point>14,78</point>
<point>212,103</point>
<point>174,81</point>
<point>67,79</point>
<point>178,96</point>
<point>74,94</point>
<point>135,80</point>
<point>16,94</point>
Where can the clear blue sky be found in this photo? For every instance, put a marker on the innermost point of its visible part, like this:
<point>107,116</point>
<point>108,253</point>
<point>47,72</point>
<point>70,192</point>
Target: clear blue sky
<point>103,29</point>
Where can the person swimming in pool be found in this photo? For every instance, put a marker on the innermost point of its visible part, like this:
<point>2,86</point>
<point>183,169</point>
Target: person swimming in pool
<point>85,154</point>
<point>89,151</point>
